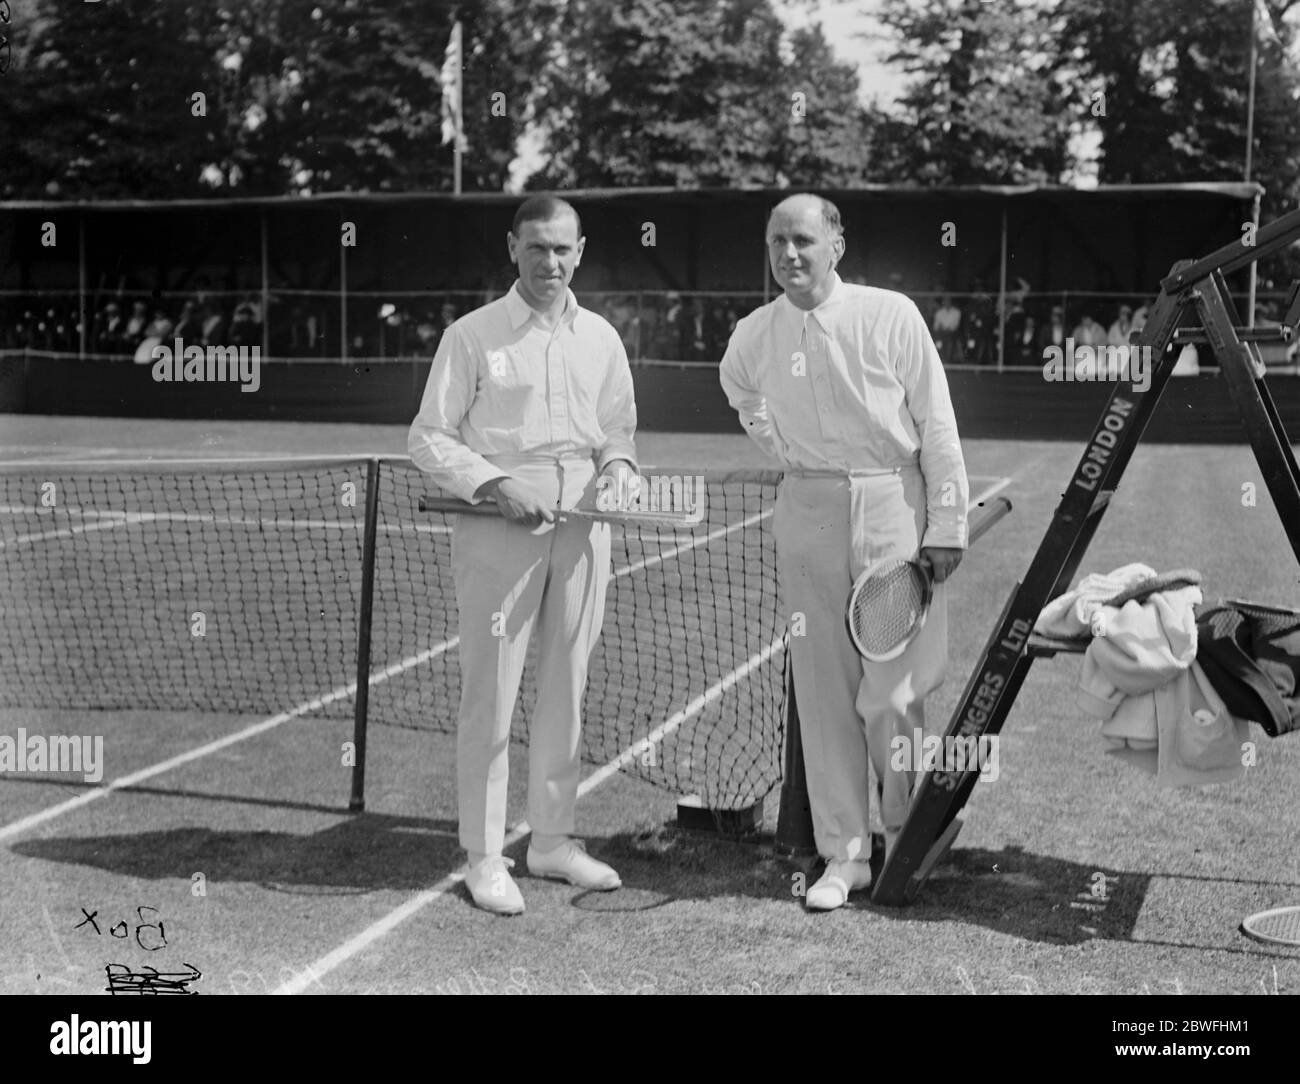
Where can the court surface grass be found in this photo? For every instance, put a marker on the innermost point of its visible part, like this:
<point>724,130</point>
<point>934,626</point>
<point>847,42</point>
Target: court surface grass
<point>1074,874</point>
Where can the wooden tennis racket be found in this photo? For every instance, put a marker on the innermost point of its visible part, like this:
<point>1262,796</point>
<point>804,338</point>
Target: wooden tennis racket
<point>672,521</point>
<point>891,597</point>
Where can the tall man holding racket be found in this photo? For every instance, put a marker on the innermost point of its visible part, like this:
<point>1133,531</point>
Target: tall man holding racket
<point>843,384</point>
<point>529,404</point>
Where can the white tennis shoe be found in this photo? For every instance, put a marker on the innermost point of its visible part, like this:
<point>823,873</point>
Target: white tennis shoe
<point>492,888</point>
<point>571,862</point>
<point>833,887</point>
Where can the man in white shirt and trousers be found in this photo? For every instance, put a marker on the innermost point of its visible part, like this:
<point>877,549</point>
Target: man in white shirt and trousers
<point>529,404</point>
<point>842,384</point>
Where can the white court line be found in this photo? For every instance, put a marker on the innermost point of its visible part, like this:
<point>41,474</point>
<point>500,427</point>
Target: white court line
<point>109,521</point>
<point>343,691</point>
<point>694,543</point>
<point>390,921</point>
<point>45,451</point>
<point>123,519</point>
<point>23,824</point>
<point>417,903</point>
<point>992,491</point>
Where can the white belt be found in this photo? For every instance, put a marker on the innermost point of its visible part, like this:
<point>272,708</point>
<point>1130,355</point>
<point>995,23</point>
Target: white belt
<point>855,472</point>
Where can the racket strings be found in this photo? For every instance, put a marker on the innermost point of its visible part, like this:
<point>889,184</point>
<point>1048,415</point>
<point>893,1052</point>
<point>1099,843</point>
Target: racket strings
<point>1281,926</point>
<point>888,606</point>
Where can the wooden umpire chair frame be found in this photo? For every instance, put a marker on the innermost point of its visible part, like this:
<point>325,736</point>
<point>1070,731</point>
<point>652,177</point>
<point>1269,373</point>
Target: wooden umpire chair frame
<point>1194,306</point>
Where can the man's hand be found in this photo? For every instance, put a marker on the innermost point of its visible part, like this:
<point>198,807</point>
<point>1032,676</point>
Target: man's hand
<point>618,487</point>
<point>518,503</point>
<point>942,561</point>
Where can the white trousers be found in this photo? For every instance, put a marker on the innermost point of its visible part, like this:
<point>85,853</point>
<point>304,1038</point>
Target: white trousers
<point>827,529</point>
<point>512,582</point>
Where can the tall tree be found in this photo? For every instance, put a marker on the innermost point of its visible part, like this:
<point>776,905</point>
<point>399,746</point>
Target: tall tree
<point>1176,76</point>
<point>95,103</point>
<point>987,104</point>
<point>833,145</point>
<point>509,83</point>
<point>696,93</point>
<point>338,94</point>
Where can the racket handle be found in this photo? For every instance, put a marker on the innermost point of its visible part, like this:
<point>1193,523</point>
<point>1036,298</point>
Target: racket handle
<point>993,511</point>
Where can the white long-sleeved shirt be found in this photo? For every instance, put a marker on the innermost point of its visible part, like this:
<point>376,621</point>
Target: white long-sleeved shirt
<point>505,386</point>
<point>853,384</point>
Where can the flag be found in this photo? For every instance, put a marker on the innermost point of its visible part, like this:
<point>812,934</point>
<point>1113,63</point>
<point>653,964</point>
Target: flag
<point>1264,30</point>
<point>450,81</point>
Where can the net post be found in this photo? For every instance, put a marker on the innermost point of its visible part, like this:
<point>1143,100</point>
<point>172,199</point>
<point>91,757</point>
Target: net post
<point>357,803</point>
<point>794,831</point>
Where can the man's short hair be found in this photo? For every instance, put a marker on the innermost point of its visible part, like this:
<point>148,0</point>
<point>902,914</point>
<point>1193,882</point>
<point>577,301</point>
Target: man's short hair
<point>830,215</point>
<point>543,209</point>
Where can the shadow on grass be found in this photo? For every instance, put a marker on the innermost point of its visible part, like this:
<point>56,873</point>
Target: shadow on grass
<point>1029,896</point>
<point>364,853</point>
<point>1024,895</point>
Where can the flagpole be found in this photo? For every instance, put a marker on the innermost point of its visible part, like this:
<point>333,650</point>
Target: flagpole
<point>1250,147</point>
<point>451,81</point>
<point>1250,96</point>
<point>460,116</point>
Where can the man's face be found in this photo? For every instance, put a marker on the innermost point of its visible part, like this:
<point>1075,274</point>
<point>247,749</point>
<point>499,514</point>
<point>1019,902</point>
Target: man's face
<point>546,254</point>
<point>802,251</point>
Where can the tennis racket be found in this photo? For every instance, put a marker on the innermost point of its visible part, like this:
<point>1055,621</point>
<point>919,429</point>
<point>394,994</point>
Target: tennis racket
<point>673,521</point>
<point>891,597</point>
<point>1280,926</point>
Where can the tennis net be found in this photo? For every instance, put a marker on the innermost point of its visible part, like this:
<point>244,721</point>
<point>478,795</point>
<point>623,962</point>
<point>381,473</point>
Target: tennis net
<point>236,586</point>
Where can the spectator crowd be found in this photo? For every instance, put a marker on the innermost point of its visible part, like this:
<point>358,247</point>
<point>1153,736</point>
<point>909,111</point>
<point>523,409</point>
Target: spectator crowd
<point>128,329</point>
<point>967,333</point>
<point>654,325</point>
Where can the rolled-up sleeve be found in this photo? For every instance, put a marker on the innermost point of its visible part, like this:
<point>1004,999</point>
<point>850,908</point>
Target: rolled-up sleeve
<point>930,405</point>
<point>435,442</point>
<point>741,389</point>
<point>616,410</point>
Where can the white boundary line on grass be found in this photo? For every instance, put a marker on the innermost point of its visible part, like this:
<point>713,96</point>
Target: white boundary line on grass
<point>102,521</point>
<point>417,903</point>
<point>992,491</point>
<point>8,831</point>
<point>372,933</point>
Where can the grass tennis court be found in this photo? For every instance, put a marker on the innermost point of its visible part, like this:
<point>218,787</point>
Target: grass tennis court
<point>296,892</point>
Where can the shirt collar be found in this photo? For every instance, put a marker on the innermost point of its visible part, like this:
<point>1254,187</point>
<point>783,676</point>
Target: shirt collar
<point>520,312</point>
<point>824,312</point>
